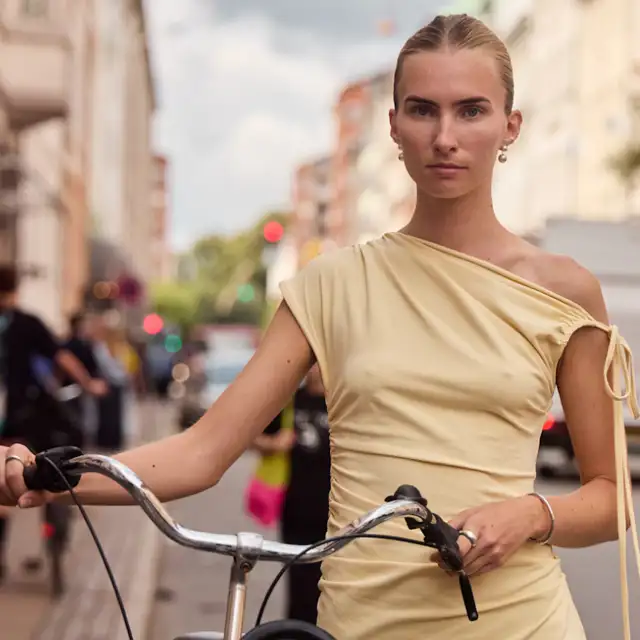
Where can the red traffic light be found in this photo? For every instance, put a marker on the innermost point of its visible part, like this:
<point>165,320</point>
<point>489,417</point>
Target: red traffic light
<point>153,324</point>
<point>273,231</point>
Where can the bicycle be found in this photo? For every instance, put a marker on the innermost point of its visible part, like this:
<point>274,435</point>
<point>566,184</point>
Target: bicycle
<point>59,470</point>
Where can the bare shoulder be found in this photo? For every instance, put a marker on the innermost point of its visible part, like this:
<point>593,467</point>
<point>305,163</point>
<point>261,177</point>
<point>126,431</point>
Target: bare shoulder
<point>566,277</point>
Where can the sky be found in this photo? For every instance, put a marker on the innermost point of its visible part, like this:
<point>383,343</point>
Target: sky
<point>246,89</point>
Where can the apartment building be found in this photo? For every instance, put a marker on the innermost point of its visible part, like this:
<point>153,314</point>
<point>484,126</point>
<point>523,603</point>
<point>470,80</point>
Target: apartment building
<point>385,192</point>
<point>161,258</point>
<point>123,103</point>
<point>312,199</point>
<point>44,55</point>
<point>577,70</point>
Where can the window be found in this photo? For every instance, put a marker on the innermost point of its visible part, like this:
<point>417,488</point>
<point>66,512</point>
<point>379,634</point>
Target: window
<point>35,8</point>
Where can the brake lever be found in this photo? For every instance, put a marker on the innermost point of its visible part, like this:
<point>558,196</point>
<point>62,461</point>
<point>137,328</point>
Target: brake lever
<point>440,535</point>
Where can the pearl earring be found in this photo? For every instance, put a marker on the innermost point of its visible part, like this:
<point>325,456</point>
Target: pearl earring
<point>503,154</point>
<point>401,154</point>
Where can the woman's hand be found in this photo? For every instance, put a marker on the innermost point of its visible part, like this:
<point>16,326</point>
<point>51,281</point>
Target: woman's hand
<point>501,528</point>
<point>281,442</point>
<point>12,486</point>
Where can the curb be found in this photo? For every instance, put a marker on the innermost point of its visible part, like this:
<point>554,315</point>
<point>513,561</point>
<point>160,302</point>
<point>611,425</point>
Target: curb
<point>141,595</point>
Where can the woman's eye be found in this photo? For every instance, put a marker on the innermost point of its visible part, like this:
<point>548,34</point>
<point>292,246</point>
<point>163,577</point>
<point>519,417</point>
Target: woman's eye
<point>422,109</point>
<point>472,112</point>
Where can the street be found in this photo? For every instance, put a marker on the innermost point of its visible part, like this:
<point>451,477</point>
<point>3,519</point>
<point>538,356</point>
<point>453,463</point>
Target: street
<point>193,586</point>
<point>594,578</point>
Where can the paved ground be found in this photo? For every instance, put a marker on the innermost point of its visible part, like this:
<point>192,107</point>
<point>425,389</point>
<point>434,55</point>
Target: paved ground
<point>594,578</point>
<point>88,610</point>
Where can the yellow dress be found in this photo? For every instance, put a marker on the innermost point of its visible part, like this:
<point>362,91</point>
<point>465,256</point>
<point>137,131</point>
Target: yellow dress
<point>439,371</point>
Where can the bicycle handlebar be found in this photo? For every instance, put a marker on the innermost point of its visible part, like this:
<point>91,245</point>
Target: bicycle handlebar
<point>405,503</point>
<point>225,544</point>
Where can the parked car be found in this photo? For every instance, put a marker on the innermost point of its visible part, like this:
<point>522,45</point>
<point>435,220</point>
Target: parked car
<point>556,450</point>
<point>207,379</point>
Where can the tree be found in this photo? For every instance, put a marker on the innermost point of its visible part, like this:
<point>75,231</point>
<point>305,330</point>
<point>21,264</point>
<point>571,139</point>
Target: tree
<point>176,303</point>
<point>228,278</point>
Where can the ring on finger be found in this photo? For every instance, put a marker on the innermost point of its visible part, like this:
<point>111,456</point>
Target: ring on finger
<point>16,458</point>
<point>470,536</point>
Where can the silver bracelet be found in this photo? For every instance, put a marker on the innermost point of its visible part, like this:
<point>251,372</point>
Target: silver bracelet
<point>547,506</point>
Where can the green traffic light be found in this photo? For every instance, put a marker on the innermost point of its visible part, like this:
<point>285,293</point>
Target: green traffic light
<point>172,343</point>
<point>246,293</point>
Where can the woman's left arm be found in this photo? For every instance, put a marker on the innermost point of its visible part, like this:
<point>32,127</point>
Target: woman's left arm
<point>587,516</point>
<point>583,517</point>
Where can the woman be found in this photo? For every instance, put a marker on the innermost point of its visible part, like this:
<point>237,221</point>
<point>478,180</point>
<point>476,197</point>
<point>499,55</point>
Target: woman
<point>306,502</point>
<point>111,408</point>
<point>440,347</point>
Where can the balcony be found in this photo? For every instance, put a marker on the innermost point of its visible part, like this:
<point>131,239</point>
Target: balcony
<point>34,57</point>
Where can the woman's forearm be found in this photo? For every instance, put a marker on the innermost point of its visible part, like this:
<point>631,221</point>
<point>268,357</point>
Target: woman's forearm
<point>586,516</point>
<point>174,467</point>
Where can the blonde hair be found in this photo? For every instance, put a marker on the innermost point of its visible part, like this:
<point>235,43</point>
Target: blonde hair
<point>458,31</point>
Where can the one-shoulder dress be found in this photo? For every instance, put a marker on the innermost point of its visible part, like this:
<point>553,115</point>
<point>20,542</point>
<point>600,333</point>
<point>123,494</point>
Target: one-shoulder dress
<point>439,370</point>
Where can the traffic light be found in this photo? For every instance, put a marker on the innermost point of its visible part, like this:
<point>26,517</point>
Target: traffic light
<point>173,343</point>
<point>246,293</point>
<point>153,324</point>
<point>273,231</point>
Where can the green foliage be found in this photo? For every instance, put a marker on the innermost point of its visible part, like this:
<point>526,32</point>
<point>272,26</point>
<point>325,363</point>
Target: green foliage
<point>224,270</point>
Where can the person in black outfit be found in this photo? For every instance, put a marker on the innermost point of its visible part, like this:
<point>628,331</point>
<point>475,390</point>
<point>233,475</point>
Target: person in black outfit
<point>25,344</point>
<point>79,344</point>
<point>306,504</point>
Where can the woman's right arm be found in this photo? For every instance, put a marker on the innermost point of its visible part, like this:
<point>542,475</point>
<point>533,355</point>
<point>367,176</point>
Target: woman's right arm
<point>194,460</point>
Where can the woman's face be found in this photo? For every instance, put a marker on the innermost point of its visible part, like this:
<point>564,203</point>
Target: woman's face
<point>450,120</point>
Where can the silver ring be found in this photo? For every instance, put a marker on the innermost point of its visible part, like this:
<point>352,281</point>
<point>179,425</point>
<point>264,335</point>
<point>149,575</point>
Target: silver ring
<point>470,536</point>
<point>16,458</point>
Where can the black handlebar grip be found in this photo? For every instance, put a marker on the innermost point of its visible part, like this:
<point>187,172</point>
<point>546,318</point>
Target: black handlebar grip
<point>467,597</point>
<point>32,478</point>
<point>48,471</point>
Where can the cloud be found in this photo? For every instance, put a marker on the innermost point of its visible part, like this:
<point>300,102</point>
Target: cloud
<point>246,92</point>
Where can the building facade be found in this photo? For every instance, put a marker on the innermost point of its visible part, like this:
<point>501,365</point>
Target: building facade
<point>161,267</point>
<point>122,158</point>
<point>312,200</point>
<point>385,192</point>
<point>44,56</point>
<point>577,77</point>
<point>351,121</point>
<point>76,102</point>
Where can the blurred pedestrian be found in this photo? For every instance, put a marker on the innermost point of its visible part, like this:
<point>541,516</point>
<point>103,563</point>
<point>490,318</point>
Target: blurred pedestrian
<point>306,500</point>
<point>111,407</point>
<point>29,352</point>
<point>79,343</point>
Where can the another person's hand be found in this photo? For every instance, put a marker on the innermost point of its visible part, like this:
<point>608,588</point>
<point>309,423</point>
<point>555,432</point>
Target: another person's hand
<point>500,528</point>
<point>98,387</point>
<point>12,487</point>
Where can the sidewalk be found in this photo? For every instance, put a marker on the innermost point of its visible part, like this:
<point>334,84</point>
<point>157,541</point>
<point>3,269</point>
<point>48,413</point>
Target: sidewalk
<point>89,610</point>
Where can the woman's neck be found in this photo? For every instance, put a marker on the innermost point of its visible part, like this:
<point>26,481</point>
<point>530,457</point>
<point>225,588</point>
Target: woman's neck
<point>458,223</point>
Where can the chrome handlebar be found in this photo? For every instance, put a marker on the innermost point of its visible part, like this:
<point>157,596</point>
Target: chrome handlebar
<point>69,463</point>
<point>253,545</point>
